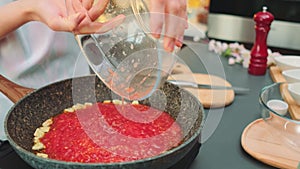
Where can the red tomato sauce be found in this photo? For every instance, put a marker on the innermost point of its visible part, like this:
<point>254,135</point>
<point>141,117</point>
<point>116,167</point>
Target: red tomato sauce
<point>106,133</point>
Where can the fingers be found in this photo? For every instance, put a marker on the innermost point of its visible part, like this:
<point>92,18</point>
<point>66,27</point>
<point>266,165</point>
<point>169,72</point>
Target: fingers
<point>168,14</point>
<point>157,17</point>
<point>92,10</point>
<point>98,27</point>
<point>97,9</point>
<point>78,7</point>
<point>176,23</point>
<point>75,20</point>
<point>69,7</point>
<point>75,14</point>
<point>81,16</point>
<point>90,25</point>
<point>172,15</point>
<point>68,24</point>
<point>87,4</point>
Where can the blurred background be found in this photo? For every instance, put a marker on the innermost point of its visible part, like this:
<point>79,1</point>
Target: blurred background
<point>232,21</point>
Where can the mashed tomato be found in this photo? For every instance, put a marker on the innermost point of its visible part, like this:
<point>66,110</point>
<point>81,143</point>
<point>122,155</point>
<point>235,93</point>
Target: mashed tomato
<point>107,132</point>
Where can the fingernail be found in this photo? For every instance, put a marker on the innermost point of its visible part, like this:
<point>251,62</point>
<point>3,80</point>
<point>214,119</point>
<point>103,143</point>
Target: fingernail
<point>179,42</point>
<point>169,45</point>
<point>156,33</point>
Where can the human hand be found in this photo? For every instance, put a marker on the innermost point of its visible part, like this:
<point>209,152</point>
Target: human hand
<point>173,15</point>
<point>77,16</point>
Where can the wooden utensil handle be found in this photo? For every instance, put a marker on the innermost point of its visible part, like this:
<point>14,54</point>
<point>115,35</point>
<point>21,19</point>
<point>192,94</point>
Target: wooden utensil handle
<point>12,90</point>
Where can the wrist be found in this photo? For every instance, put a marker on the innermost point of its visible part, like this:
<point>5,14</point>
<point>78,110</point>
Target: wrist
<point>16,14</point>
<point>27,11</point>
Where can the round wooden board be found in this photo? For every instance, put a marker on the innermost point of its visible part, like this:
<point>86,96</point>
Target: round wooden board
<point>210,98</point>
<point>260,141</point>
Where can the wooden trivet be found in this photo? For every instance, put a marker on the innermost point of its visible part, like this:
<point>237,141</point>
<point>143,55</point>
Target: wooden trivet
<point>265,144</point>
<point>210,98</point>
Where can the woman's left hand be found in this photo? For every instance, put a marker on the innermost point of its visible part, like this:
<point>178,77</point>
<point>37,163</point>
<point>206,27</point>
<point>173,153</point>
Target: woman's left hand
<point>77,16</point>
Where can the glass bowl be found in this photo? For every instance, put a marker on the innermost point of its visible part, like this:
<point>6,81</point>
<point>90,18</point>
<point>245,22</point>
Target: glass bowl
<point>280,123</point>
<point>127,58</point>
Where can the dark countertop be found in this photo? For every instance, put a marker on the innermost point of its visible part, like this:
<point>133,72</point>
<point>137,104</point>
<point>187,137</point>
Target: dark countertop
<point>221,146</point>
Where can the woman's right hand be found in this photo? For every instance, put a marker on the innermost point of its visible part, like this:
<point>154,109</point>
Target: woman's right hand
<point>172,15</point>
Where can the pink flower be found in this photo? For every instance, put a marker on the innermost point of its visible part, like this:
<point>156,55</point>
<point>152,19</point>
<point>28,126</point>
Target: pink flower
<point>231,61</point>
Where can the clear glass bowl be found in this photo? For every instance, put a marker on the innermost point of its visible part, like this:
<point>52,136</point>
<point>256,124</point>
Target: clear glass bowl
<point>127,58</point>
<point>286,128</point>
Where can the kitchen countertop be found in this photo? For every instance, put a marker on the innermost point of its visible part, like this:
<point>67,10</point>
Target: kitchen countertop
<point>221,146</point>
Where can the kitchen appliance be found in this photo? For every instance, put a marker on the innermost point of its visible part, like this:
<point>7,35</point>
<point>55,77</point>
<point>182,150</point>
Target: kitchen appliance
<point>232,20</point>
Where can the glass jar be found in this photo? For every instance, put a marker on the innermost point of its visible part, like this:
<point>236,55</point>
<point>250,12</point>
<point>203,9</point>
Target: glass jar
<point>131,62</point>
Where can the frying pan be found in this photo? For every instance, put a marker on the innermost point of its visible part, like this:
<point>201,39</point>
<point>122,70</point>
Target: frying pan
<point>32,107</point>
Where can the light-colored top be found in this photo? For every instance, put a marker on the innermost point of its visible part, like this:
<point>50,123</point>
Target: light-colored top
<point>34,56</point>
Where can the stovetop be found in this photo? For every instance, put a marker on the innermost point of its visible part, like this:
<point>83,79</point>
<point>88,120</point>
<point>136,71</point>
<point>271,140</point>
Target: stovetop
<point>10,160</point>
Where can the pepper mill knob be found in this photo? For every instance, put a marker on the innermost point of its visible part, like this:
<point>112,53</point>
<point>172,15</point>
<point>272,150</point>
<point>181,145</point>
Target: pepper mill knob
<point>259,51</point>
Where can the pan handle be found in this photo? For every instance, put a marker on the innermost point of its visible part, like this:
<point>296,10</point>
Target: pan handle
<point>12,90</point>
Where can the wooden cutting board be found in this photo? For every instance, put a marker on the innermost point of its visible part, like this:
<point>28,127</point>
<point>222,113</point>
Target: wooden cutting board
<point>208,97</point>
<point>262,142</point>
<point>277,76</point>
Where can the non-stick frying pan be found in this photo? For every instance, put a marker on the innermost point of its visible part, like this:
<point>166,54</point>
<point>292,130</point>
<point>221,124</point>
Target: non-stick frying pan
<point>32,107</point>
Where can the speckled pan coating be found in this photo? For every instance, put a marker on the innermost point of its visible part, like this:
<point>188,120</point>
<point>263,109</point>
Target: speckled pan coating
<point>33,109</point>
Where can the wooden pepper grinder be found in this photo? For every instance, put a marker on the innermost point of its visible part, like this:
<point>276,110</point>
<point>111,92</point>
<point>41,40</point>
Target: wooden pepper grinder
<point>259,51</point>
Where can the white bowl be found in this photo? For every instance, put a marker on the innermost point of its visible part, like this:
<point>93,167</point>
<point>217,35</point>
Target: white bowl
<point>279,106</point>
<point>287,62</point>
<point>292,75</point>
<point>294,89</point>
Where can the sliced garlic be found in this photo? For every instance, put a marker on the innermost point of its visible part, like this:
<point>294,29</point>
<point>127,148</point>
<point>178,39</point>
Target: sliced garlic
<point>117,101</point>
<point>36,139</point>
<point>38,146</point>
<point>45,129</point>
<point>135,102</point>
<point>78,106</point>
<point>106,101</point>
<point>43,155</point>
<point>38,133</point>
<point>47,122</point>
<point>70,110</point>
<point>88,104</point>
